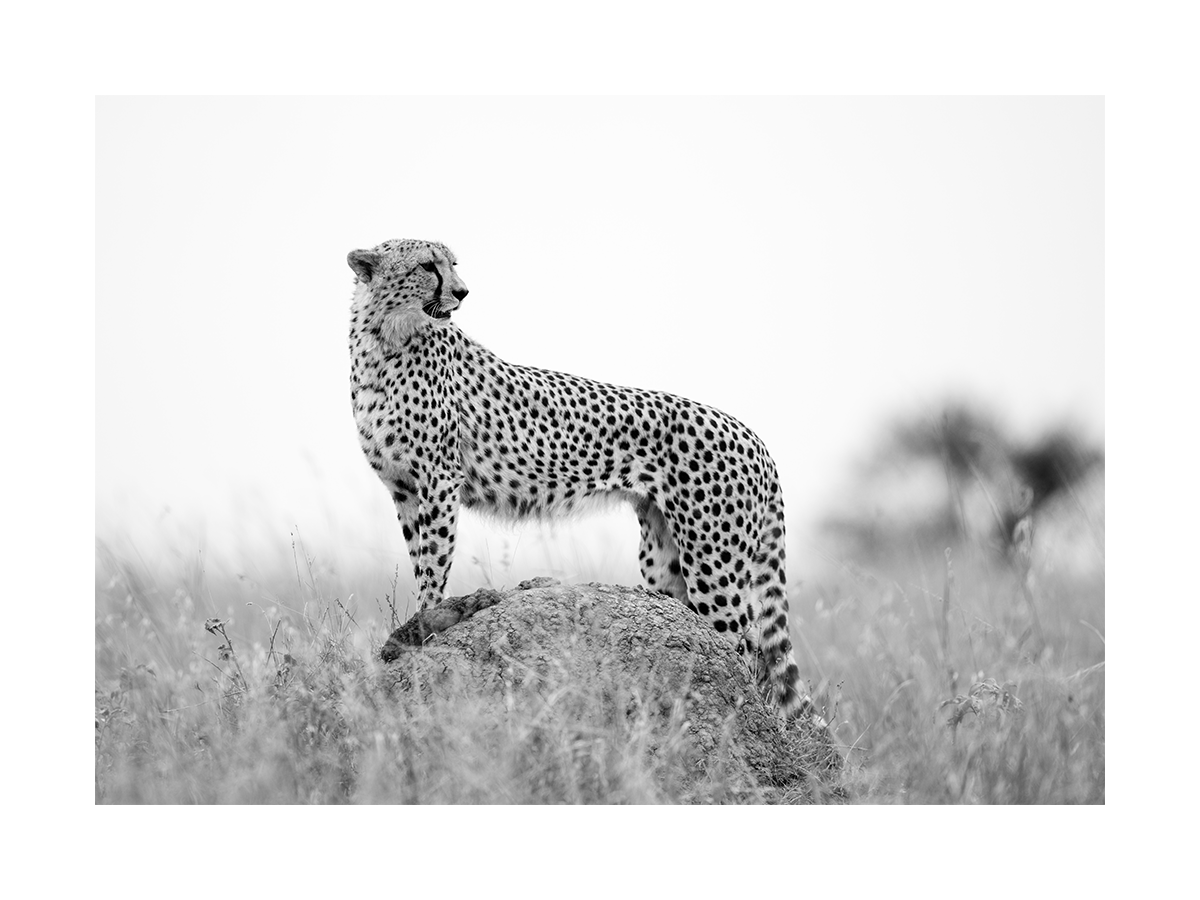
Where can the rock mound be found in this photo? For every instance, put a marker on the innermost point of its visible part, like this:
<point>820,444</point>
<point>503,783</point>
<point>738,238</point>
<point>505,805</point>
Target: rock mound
<point>600,657</point>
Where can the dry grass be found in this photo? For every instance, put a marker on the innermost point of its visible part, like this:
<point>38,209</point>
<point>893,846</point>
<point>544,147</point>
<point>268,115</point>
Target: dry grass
<point>965,683</point>
<point>950,677</point>
<point>285,704</point>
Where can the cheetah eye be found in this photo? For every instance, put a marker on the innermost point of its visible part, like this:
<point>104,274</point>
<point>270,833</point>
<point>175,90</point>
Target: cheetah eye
<point>429,267</point>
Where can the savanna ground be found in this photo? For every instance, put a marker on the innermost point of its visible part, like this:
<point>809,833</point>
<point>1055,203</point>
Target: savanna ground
<point>951,674</point>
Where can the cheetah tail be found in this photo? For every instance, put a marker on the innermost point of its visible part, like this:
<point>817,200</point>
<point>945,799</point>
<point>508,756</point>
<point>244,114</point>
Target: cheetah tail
<point>782,675</point>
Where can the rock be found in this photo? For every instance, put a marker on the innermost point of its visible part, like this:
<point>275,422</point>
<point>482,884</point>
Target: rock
<point>603,656</point>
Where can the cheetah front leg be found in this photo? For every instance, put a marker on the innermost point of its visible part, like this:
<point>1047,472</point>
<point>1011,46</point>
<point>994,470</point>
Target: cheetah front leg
<point>428,516</point>
<point>437,524</point>
<point>405,495</point>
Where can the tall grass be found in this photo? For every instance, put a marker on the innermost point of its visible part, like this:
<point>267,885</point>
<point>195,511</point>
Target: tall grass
<point>950,676</point>
<point>280,699</point>
<point>964,677</point>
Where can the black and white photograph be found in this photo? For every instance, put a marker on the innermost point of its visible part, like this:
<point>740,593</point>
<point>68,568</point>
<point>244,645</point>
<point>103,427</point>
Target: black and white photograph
<point>646,449</point>
<point>600,450</point>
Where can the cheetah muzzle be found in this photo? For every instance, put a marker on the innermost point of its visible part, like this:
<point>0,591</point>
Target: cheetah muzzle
<point>445,424</point>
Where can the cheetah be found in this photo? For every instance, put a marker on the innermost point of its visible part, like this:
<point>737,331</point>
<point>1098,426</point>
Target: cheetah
<point>445,424</point>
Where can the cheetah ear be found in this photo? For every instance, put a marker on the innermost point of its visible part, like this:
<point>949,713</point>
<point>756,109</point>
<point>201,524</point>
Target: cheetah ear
<point>364,263</point>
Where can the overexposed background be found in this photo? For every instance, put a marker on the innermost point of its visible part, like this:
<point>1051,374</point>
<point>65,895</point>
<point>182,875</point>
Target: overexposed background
<point>812,266</point>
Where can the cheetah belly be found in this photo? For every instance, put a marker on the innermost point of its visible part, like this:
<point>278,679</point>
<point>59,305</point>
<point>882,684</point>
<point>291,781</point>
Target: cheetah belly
<point>542,490</point>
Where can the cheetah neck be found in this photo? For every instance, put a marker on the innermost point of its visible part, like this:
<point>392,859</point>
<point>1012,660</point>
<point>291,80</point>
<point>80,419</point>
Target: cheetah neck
<point>379,332</point>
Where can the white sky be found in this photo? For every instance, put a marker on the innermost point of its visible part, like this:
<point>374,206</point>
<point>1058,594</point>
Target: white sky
<point>812,266</point>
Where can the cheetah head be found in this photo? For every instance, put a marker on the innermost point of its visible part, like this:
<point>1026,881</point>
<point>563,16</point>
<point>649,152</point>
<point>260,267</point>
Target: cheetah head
<point>403,286</point>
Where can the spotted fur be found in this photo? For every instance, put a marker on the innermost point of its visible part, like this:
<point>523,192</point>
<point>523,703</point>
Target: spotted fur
<point>446,423</point>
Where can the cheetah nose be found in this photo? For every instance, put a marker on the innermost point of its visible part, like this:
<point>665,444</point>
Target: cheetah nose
<point>459,293</point>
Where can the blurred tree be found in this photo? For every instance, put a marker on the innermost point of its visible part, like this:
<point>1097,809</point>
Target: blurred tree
<point>961,437</point>
<point>965,441</point>
<point>1052,465</point>
<point>1007,481</point>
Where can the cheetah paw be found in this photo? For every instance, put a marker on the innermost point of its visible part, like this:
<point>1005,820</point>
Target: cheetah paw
<point>428,622</point>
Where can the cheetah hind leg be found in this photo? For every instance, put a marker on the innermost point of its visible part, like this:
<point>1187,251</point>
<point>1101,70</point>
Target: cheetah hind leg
<point>770,661</point>
<point>659,560</point>
<point>659,554</point>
